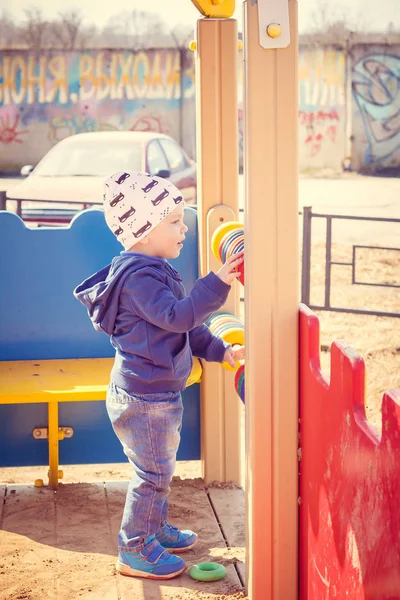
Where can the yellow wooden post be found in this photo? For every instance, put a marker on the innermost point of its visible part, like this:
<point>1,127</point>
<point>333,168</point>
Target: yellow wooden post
<point>217,159</point>
<point>271,309</point>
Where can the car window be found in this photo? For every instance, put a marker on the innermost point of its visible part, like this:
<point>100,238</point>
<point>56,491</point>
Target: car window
<point>175,156</point>
<point>94,158</point>
<point>156,160</point>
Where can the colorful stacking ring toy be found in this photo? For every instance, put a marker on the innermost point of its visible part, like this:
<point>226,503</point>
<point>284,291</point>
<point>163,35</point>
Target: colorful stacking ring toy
<point>230,329</point>
<point>239,382</point>
<point>228,239</point>
<point>207,571</point>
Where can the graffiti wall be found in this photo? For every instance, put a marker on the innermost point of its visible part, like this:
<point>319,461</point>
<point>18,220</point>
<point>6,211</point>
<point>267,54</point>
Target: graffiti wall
<point>322,108</point>
<point>376,106</point>
<point>48,96</point>
<point>349,105</point>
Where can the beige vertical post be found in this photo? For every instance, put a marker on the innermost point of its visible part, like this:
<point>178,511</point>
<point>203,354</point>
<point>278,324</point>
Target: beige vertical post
<point>271,264</point>
<point>217,159</point>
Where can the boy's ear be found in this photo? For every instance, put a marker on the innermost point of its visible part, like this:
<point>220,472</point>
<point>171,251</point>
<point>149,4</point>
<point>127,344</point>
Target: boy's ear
<point>143,242</point>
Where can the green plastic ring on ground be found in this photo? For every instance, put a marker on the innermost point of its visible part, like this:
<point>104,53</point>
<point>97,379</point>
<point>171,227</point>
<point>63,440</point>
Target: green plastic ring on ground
<point>207,571</point>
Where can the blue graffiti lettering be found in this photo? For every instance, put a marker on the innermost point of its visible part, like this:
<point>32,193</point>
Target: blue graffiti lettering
<point>376,88</point>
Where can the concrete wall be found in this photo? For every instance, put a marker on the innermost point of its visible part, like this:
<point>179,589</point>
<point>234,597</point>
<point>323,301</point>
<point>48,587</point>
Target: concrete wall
<point>349,103</point>
<point>322,108</point>
<point>48,96</point>
<point>349,107</point>
<point>375,81</point>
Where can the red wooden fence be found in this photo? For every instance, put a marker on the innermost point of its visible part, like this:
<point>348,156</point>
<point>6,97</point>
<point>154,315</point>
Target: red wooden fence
<point>349,544</point>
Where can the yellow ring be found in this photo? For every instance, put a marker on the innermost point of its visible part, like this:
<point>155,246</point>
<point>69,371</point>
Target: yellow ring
<point>195,374</point>
<point>228,367</point>
<point>219,234</point>
<point>233,337</point>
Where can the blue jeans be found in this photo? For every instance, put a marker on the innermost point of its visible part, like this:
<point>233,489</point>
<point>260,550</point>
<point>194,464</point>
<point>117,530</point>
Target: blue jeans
<point>148,427</point>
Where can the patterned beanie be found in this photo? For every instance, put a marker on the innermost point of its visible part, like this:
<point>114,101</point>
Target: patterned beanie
<point>135,203</point>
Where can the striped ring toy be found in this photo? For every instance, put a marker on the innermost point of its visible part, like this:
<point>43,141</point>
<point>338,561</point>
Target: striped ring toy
<point>230,329</point>
<point>239,383</point>
<point>228,239</point>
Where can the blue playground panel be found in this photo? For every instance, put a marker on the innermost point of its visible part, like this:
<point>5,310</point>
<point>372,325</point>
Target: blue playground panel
<point>40,319</point>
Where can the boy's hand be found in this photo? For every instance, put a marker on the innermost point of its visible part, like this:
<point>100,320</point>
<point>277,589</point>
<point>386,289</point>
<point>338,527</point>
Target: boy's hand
<point>228,272</point>
<point>233,355</point>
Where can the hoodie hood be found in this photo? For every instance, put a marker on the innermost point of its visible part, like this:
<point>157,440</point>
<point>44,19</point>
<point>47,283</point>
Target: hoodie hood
<point>100,292</point>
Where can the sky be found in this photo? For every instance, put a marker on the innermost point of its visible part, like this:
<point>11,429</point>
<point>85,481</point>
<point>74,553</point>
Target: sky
<point>373,14</point>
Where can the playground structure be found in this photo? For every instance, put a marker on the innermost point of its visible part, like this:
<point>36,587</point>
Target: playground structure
<point>349,479</point>
<point>51,360</point>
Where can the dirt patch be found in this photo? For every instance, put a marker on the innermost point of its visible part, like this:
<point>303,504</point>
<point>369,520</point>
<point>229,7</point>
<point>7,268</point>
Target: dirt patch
<point>65,542</point>
<point>190,469</point>
<point>223,485</point>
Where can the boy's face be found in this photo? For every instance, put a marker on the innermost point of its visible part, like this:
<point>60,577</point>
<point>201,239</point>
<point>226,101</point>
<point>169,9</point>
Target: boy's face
<point>165,240</point>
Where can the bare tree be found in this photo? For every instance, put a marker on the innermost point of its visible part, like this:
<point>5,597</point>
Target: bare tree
<point>9,32</point>
<point>330,25</point>
<point>321,17</point>
<point>136,29</point>
<point>182,35</point>
<point>146,27</point>
<point>35,29</point>
<point>88,37</point>
<point>67,28</point>
<point>68,31</point>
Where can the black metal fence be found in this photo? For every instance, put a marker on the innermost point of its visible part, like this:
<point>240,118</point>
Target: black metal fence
<point>308,216</point>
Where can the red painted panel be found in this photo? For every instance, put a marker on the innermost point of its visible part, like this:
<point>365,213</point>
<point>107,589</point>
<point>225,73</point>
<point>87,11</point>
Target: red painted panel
<point>349,479</point>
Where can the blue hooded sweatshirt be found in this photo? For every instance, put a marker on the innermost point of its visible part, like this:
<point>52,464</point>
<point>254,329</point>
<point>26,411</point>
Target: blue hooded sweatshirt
<point>140,302</point>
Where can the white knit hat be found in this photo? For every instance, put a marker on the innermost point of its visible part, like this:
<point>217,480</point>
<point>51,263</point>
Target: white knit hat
<point>134,203</point>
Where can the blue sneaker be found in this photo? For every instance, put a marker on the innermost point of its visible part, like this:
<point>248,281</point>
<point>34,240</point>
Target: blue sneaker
<point>152,562</point>
<point>174,540</point>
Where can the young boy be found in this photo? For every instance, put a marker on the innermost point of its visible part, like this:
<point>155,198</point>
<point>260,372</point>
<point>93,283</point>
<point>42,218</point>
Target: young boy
<point>140,302</point>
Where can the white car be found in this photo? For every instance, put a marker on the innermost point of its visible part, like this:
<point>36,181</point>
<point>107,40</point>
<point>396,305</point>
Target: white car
<point>73,171</point>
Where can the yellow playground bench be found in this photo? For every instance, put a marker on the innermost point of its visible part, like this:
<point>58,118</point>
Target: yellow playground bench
<point>54,367</point>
